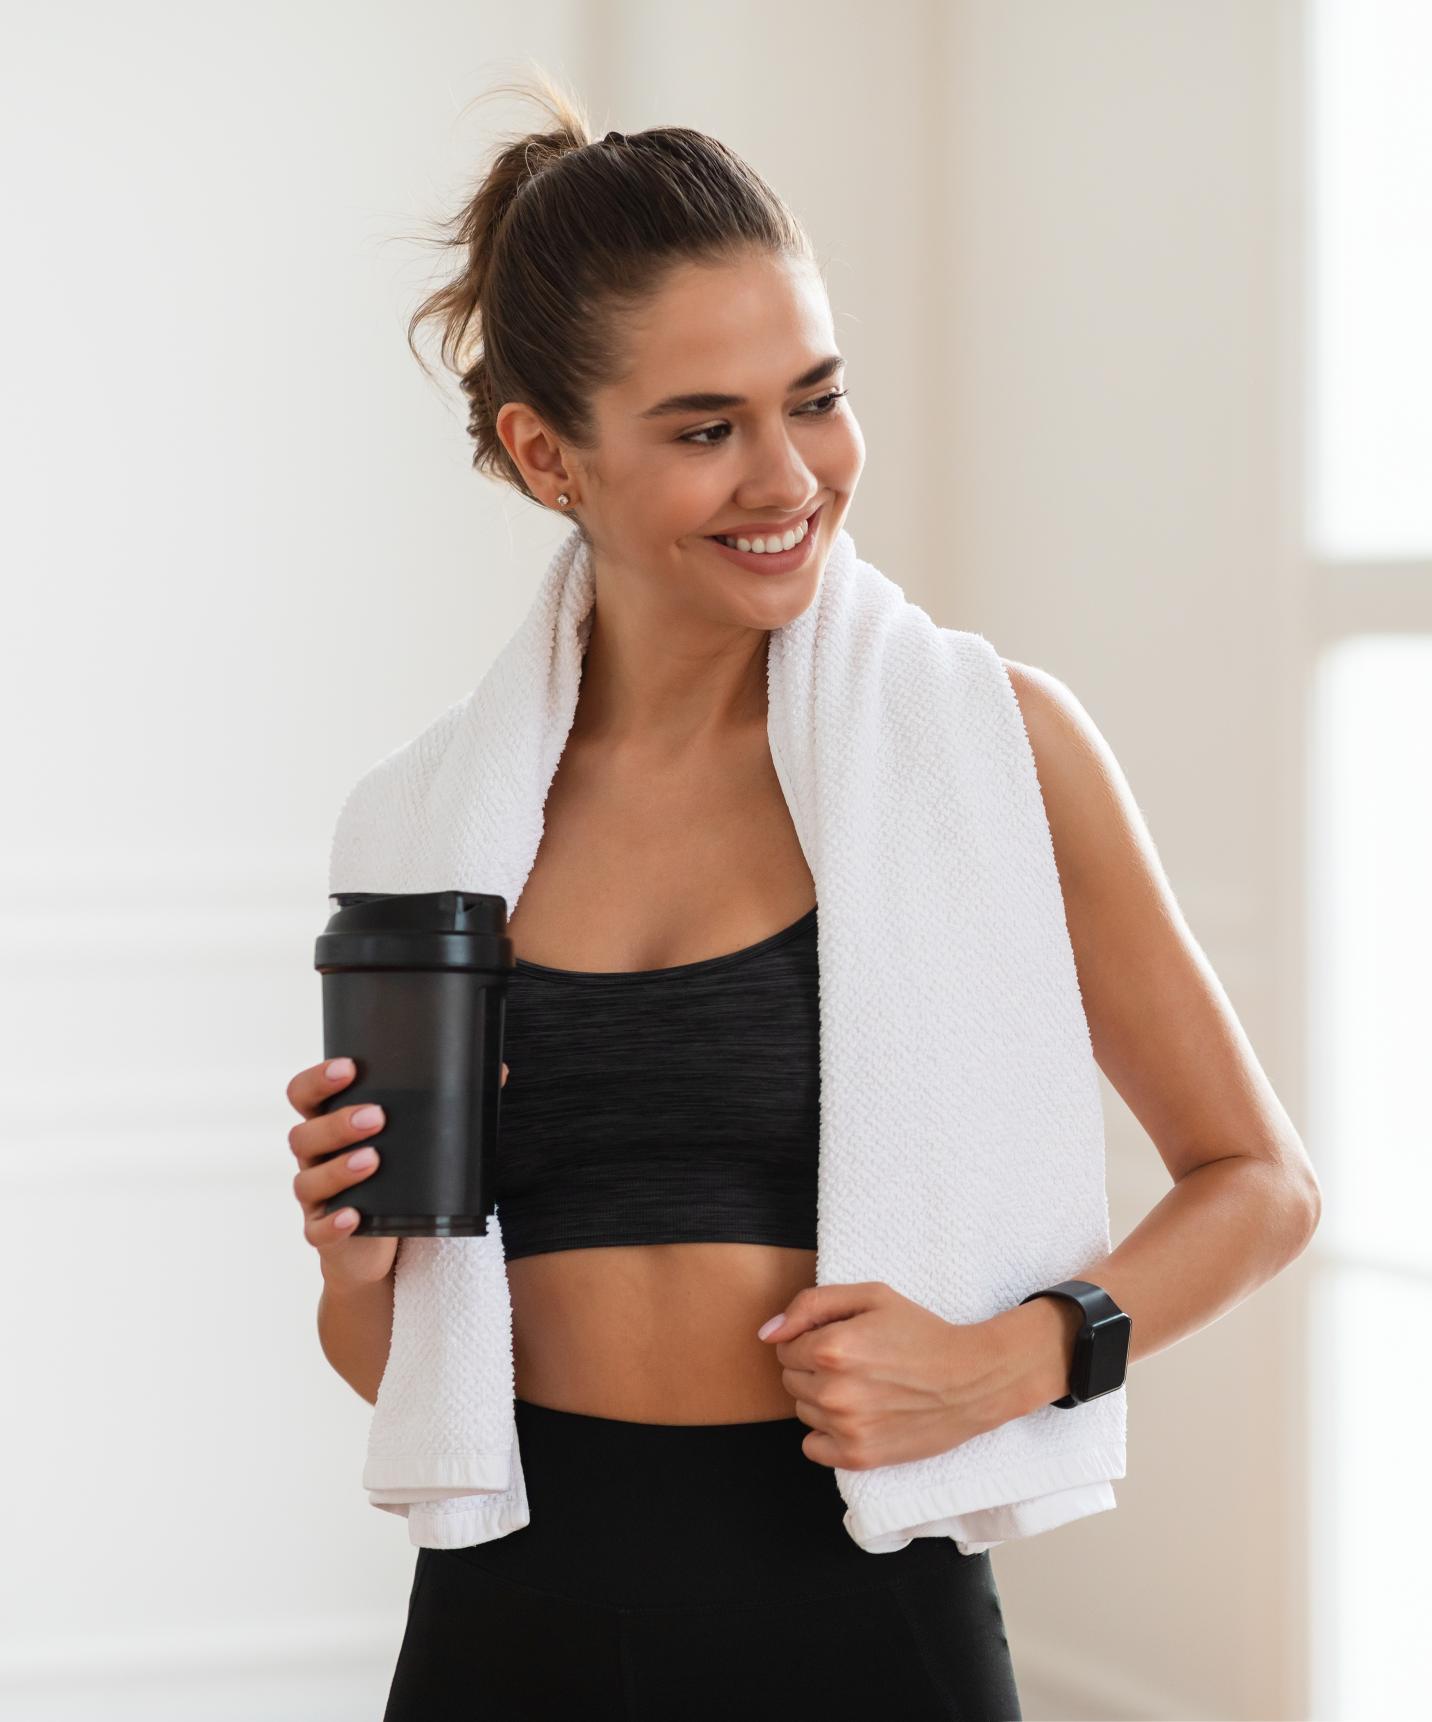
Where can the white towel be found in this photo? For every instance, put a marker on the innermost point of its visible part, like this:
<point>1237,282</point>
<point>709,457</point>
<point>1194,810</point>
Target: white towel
<point>961,1148</point>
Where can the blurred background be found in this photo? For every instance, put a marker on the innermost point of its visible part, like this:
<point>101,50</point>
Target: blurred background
<point>1134,296</point>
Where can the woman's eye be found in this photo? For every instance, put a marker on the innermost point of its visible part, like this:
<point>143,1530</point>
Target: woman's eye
<point>825,403</point>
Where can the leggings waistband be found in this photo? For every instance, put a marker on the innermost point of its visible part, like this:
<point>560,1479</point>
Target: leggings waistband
<point>626,1434</point>
<point>648,1515</point>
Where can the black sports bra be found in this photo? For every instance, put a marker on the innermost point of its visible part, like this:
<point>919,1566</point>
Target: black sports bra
<point>658,1106</point>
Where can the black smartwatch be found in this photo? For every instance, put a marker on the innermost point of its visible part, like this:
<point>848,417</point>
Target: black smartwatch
<point>1101,1349</point>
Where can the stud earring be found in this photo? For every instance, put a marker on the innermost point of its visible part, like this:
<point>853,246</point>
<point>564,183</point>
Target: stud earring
<point>563,499</point>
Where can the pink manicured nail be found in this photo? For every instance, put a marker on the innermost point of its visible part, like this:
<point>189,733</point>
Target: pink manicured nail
<point>770,1326</point>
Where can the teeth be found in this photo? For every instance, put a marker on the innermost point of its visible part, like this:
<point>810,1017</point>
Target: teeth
<point>766,546</point>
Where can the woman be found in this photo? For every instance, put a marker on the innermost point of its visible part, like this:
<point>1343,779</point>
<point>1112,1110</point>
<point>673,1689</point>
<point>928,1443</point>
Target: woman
<point>686,1555</point>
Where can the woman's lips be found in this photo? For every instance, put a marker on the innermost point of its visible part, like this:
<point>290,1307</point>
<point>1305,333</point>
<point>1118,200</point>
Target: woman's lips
<point>771,561</point>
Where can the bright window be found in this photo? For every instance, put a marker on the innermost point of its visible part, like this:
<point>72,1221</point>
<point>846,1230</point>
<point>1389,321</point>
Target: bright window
<point>1367,532</point>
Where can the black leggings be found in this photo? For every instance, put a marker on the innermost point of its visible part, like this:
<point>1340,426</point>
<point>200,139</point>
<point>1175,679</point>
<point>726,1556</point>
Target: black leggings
<point>673,1572</point>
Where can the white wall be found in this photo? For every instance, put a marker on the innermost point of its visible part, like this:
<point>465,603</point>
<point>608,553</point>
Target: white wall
<point>1057,244</point>
<point>235,508</point>
<point>1122,341</point>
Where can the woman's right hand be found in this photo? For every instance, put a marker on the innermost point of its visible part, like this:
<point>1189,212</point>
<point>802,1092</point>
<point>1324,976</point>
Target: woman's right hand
<point>345,1260</point>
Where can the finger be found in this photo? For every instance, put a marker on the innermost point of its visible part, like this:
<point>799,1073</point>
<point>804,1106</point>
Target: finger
<point>318,1082</point>
<point>797,1381</point>
<point>814,1416</point>
<point>504,1077</point>
<point>820,1443</point>
<point>324,1230</point>
<point>316,1185</point>
<point>821,1449</point>
<point>318,1138</point>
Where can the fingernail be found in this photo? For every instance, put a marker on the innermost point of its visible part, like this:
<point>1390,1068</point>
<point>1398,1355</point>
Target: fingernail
<point>364,1157</point>
<point>339,1068</point>
<point>366,1116</point>
<point>770,1326</point>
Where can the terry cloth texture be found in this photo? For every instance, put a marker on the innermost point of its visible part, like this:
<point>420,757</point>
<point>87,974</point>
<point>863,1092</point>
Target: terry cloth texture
<point>961,1132</point>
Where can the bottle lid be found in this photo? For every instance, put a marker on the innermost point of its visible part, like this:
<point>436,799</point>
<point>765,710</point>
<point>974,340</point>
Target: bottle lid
<point>415,930</point>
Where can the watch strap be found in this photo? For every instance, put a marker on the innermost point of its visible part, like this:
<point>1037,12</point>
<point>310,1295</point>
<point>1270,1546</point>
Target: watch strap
<point>1101,1347</point>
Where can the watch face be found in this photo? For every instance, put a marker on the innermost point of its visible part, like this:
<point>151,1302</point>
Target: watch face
<point>1109,1354</point>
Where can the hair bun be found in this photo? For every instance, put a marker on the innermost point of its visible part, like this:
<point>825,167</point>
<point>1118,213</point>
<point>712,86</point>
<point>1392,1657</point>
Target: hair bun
<point>552,241</point>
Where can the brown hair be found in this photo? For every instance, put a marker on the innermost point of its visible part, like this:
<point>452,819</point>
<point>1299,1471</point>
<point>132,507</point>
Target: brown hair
<point>563,233</point>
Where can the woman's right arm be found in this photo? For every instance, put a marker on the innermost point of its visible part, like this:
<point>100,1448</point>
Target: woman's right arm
<point>355,1309</point>
<point>355,1329</point>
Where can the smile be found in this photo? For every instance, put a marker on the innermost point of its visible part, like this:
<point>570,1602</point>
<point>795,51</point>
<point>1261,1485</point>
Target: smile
<point>780,558</point>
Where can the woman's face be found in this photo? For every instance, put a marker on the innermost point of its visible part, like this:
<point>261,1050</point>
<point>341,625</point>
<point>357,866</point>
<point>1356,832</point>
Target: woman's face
<point>665,477</point>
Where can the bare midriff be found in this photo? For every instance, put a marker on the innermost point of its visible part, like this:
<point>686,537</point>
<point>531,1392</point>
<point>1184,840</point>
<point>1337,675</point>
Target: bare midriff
<point>658,1333</point>
<point>655,1333</point>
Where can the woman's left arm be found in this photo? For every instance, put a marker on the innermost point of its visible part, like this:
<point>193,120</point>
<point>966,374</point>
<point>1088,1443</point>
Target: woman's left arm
<point>1245,1200</point>
<point>882,1379</point>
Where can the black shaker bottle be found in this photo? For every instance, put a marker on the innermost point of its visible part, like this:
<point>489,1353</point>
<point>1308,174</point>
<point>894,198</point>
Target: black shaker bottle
<point>415,992</point>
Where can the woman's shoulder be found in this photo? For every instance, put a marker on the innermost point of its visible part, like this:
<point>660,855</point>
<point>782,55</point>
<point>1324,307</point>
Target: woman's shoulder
<point>1096,823</point>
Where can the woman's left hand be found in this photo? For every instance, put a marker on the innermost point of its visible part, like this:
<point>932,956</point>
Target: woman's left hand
<point>881,1379</point>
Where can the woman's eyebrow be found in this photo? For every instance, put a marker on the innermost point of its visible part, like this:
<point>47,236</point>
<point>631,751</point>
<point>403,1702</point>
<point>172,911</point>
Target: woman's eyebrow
<point>709,403</point>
